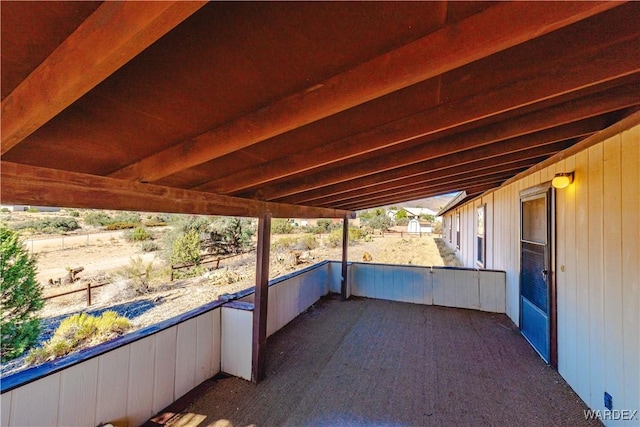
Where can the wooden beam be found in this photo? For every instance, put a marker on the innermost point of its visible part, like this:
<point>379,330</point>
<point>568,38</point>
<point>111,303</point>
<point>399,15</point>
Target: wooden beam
<point>455,155</point>
<point>560,114</point>
<point>458,173</point>
<point>471,192</point>
<point>345,258</point>
<point>114,34</point>
<point>493,30</point>
<point>445,187</point>
<point>261,298</point>
<point>31,185</point>
<point>425,125</point>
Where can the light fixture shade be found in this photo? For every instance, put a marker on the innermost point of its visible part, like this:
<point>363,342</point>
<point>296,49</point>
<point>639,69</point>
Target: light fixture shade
<point>562,180</point>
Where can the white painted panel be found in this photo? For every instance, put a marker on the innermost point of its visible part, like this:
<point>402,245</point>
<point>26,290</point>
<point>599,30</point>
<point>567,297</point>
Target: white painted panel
<point>236,342</point>
<point>272,311</point>
<point>399,283</point>
<point>630,222</point>
<point>460,297</point>
<point>438,284</point>
<point>488,291</point>
<point>388,292</point>
<point>140,390</point>
<point>217,342</point>
<point>186,347</point>
<point>335,277</point>
<point>204,351</point>
<point>473,290</point>
<point>596,285</point>
<point>5,408</point>
<point>112,389</point>
<point>44,391</point>
<point>419,279</point>
<point>428,287</point>
<point>364,280</point>
<point>379,280</point>
<point>165,369</point>
<point>296,285</point>
<point>78,386</point>
<point>583,362</point>
<point>612,269</point>
<point>310,289</point>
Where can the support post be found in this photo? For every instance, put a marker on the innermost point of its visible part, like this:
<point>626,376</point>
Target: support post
<point>345,245</point>
<point>259,343</point>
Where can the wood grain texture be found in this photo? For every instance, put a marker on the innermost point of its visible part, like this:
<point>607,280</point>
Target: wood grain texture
<point>476,37</point>
<point>114,34</point>
<point>23,184</point>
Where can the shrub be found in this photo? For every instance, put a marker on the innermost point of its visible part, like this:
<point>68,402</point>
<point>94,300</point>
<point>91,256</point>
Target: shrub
<point>139,234</point>
<point>128,217</point>
<point>140,274</point>
<point>230,235</point>
<point>149,246</point>
<point>308,241</point>
<point>32,210</point>
<point>74,214</point>
<point>121,226</point>
<point>77,332</point>
<point>281,226</point>
<point>186,249</point>
<point>5,210</point>
<point>20,297</point>
<point>355,234</point>
<point>50,225</point>
<point>98,218</point>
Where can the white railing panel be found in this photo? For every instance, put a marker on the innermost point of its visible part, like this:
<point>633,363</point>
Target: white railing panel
<point>140,393</point>
<point>204,351</point>
<point>111,399</point>
<point>78,386</point>
<point>165,369</point>
<point>237,327</point>
<point>5,408</point>
<point>45,391</point>
<point>186,354</point>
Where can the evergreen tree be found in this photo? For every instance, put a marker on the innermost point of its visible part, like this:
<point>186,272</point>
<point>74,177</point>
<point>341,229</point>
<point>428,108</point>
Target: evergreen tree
<point>20,299</point>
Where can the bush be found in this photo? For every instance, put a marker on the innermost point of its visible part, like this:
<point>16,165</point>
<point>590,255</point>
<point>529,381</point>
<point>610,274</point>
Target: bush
<point>32,210</point>
<point>149,246</point>
<point>355,234</point>
<point>139,234</point>
<point>21,297</point>
<point>74,214</point>
<point>281,226</point>
<point>50,225</point>
<point>128,217</point>
<point>186,249</point>
<point>98,218</point>
<point>121,226</point>
<point>230,236</point>
<point>77,332</point>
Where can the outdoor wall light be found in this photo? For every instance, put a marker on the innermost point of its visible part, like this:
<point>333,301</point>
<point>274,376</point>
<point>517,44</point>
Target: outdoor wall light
<point>562,180</point>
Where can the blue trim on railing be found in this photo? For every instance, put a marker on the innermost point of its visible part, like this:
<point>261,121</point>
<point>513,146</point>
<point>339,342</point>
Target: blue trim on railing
<point>240,305</point>
<point>49,368</point>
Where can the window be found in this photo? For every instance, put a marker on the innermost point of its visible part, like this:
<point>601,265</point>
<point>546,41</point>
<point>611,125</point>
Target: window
<point>480,235</point>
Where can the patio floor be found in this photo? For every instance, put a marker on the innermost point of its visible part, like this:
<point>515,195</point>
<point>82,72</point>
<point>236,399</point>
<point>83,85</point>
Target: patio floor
<point>373,362</point>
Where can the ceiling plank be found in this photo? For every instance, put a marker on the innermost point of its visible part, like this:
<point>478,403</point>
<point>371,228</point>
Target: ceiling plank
<point>31,185</point>
<point>471,192</point>
<point>457,173</point>
<point>493,30</point>
<point>443,188</point>
<point>449,152</point>
<point>586,71</point>
<point>114,34</point>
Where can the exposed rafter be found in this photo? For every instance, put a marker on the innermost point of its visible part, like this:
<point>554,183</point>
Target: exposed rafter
<point>50,187</point>
<point>114,34</point>
<point>560,114</point>
<point>476,37</point>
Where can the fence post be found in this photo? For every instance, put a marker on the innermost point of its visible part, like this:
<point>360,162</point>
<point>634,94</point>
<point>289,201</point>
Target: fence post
<point>88,294</point>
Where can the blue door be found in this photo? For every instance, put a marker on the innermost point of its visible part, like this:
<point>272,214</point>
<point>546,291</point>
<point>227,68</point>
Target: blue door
<point>535,296</point>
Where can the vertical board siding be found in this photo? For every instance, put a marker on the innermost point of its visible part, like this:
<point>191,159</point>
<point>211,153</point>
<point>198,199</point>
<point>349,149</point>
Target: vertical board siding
<point>140,390</point>
<point>5,408</point>
<point>597,267</point>
<point>165,369</point>
<point>204,347</point>
<point>111,399</point>
<point>237,326</point>
<point>630,201</point>
<point>186,346</point>
<point>217,343</point>
<point>78,388</point>
<point>45,392</point>
<point>613,381</point>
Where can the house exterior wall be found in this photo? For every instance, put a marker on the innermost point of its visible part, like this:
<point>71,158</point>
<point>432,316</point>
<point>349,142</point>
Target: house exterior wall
<point>597,265</point>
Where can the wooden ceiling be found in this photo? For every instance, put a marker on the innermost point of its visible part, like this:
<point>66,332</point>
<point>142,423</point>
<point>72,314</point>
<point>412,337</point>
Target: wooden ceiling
<point>300,109</point>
